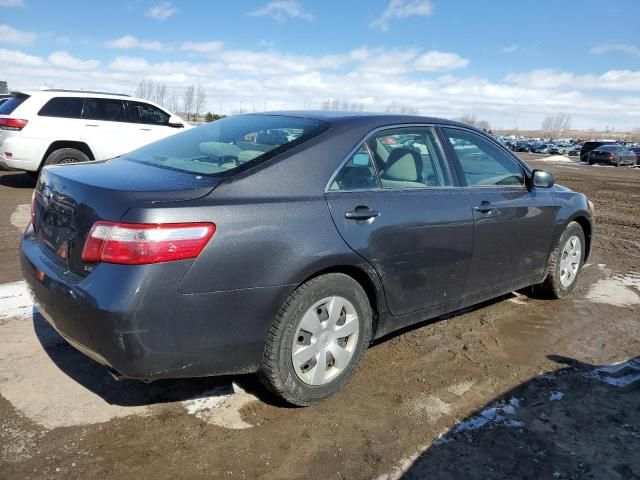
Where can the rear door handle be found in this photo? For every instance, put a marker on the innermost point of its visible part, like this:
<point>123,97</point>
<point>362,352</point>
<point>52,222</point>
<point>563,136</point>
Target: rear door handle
<point>91,125</point>
<point>361,214</point>
<point>145,129</point>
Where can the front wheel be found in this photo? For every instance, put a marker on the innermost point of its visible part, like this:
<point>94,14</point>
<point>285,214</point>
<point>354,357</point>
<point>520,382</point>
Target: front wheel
<point>317,339</point>
<point>565,262</point>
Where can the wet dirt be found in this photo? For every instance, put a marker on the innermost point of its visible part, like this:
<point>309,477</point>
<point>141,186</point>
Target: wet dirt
<point>402,413</point>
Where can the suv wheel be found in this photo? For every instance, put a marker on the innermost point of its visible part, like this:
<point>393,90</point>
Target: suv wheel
<point>317,339</point>
<point>65,155</point>
<point>565,262</point>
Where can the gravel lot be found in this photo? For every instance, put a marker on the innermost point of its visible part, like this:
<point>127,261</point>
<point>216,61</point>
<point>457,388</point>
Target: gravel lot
<point>521,387</point>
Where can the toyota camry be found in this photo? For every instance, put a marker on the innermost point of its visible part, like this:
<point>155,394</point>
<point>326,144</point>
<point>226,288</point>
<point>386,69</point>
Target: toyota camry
<point>284,243</point>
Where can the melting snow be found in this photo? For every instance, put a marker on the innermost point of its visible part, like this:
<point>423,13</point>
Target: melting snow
<point>494,416</point>
<point>618,374</point>
<point>555,396</point>
<point>617,290</point>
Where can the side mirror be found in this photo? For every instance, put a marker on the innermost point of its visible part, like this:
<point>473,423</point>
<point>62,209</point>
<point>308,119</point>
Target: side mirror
<point>542,179</point>
<point>175,122</point>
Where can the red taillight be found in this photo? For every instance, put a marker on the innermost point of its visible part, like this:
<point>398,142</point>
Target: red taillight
<point>136,244</point>
<point>12,123</point>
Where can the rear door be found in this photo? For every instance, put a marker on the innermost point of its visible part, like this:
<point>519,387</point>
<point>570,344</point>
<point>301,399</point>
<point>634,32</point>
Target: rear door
<point>105,128</point>
<point>513,224</point>
<point>397,203</point>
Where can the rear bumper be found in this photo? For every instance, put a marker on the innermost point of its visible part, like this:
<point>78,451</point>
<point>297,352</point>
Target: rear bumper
<point>26,153</point>
<point>132,319</point>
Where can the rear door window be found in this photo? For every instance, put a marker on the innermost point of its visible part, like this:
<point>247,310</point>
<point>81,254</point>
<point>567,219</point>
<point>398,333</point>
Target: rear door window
<point>63,107</point>
<point>409,157</point>
<point>358,173</point>
<point>106,109</point>
<point>7,108</point>
<point>140,112</point>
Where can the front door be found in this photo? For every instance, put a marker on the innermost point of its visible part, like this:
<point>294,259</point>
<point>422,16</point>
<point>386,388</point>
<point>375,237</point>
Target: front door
<point>396,202</point>
<point>513,223</point>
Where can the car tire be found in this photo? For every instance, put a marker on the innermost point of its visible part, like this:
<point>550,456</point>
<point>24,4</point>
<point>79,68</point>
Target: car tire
<point>308,325</point>
<point>562,272</point>
<point>65,155</point>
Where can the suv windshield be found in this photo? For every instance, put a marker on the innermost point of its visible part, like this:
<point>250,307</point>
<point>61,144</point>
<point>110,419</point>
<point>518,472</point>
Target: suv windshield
<point>225,145</point>
<point>7,107</point>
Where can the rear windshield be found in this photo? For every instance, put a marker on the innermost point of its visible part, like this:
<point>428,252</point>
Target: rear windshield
<point>226,145</point>
<point>7,108</point>
<point>608,148</point>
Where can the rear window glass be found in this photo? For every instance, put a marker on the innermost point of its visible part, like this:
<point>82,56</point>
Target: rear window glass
<point>228,144</point>
<point>65,107</point>
<point>7,108</point>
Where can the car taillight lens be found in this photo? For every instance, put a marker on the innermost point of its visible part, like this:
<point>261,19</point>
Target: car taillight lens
<point>12,123</point>
<point>136,244</point>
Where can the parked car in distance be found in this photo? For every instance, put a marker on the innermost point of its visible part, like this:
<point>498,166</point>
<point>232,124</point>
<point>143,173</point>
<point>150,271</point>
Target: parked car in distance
<point>592,145</point>
<point>636,150</point>
<point>219,251</point>
<point>574,152</point>
<point>50,127</point>
<point>614,154</point>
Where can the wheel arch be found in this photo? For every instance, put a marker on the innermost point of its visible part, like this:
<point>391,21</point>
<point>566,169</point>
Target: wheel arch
<point>586,226</point>
<point>368,279</point>
<point>58,144</point>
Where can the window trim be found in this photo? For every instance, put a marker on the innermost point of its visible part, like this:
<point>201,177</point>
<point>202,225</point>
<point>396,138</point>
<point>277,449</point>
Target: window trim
<point>526,170</point>
<point>455,180</point>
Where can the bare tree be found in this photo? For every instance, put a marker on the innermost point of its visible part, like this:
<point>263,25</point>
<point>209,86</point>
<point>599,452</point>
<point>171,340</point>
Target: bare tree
<point>160,93</point>
<point>470,119</point>
<point>200,101</point>
<point>187,101</point>
<point>553,125</point>
<point>145,89</point>
<point>172,102</point>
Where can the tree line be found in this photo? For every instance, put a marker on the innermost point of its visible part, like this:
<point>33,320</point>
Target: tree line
<point>191,104</point>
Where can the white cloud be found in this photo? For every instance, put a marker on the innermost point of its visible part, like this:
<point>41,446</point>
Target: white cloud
<point>283,10</point>
<point>12,35</point>
<point>399,9</point>
<point>620,80</point>
<point>618,47</point>
<point>130,42</point>
<point>510,48</point>
<point>377,78</point>
<point>202,47</point>
<point>11,3</point>
<point>162,11</point>
<point>15,57</point>
<point>66,60</point>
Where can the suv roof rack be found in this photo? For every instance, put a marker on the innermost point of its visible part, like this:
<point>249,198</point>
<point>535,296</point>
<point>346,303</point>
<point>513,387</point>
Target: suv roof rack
<point>83,91</point>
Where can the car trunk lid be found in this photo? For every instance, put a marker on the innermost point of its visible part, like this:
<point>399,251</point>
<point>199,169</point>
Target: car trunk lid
<point>68,200</point>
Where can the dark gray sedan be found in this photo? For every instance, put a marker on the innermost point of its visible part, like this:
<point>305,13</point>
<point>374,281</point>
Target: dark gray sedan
<point>285,243</point>
<point>613,154</point>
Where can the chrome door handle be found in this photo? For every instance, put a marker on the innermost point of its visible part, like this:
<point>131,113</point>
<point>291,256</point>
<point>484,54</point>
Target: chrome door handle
<point>145,129</point>
<point>91,125</point>
<point>361,214</point>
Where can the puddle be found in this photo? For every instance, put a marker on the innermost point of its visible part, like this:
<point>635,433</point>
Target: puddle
<point>620,290</point>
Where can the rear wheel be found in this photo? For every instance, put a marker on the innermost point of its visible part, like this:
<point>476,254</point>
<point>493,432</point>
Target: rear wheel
<point>317,339</point>
<point>565,262</point>
<point>65,155</point>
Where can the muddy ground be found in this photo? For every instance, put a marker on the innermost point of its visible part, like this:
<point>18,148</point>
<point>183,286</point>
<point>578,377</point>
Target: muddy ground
<point>520,387</point>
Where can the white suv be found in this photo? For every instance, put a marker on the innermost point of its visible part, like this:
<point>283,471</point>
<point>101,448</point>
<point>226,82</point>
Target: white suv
<point>50,127</point>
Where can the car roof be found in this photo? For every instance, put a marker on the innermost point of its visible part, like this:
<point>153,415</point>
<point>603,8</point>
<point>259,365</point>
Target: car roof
<point>373,118</point>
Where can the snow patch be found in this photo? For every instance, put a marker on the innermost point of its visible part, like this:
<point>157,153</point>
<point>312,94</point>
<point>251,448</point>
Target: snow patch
<point>21,217</point>
<point>493,416</point>
<point>15,301</point>
<point>555,396</point>
<point>221,407</point>
<point>556,159</point>
<point>620,290</point>
<point>618,374</point>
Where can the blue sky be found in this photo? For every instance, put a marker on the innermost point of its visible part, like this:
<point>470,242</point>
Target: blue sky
<point>511,63</point>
